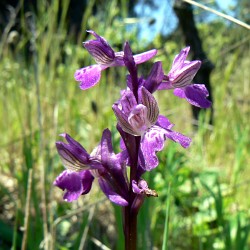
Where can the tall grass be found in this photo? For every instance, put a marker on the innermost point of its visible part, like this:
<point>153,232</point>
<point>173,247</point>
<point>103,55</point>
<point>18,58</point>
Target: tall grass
<point>40,99</point>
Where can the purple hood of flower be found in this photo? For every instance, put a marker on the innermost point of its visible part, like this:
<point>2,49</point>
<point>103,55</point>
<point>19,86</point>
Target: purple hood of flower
<point>182,71</point>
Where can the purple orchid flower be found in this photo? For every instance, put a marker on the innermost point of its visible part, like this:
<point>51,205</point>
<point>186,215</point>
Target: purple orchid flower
<point>105,57</point>
<point>143,120</point>
<point>81,169</point>
<point>180,77</point>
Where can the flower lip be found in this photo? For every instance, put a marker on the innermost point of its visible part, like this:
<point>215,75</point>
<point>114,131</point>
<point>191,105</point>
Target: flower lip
<point>195,94</point>
<point>75,183</point>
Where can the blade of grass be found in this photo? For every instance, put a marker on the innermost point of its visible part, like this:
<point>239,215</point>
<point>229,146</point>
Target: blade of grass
<point>99,244</point>
<point>166,226</point>
<point>16,240</point>
<point>232,19</point>
<point>86,229</point>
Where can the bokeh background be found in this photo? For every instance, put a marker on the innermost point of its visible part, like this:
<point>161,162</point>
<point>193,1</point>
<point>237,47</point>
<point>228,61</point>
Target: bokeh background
<point>203,201</point>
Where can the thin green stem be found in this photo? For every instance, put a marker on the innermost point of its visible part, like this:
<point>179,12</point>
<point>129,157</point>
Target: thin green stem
<point>27,210</point>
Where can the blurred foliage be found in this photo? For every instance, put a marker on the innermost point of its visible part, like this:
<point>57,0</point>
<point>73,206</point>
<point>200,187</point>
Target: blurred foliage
<point>209,182</point>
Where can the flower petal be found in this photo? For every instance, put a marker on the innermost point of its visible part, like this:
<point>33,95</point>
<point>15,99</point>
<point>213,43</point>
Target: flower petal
<point>149,101</point>
<point>114,164</point>
<point>183,140</point>
<point>100,50</point>
<point>152,142</point>
<point>89,76</point>
<point>155,77</point>
<point>75,183</point>
<point>74,157</point>
<point>180,58</point>
<point>106,146</point>
<point>184,75</point>
<point>138,119</point>
<point>128,101</point>
<point>196,95</point>
<point>143,57</point>
<point>179,92</point>
<point>139,187</point>
<point>74,143</point>
<point>181,73</point>
<point>111,194</point>
<point>165,85</point>
<point>164,122</point>
<point>113,161</point>
<point>87,180</point>
<point>122,120</point>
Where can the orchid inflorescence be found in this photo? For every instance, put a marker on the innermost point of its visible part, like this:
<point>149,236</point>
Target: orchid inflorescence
<point>143,130</point>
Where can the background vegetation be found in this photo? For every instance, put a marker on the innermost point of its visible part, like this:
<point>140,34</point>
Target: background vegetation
<point>203,191</point>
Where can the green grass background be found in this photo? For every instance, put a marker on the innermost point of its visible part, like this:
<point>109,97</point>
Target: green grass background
<point>203,191</point>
